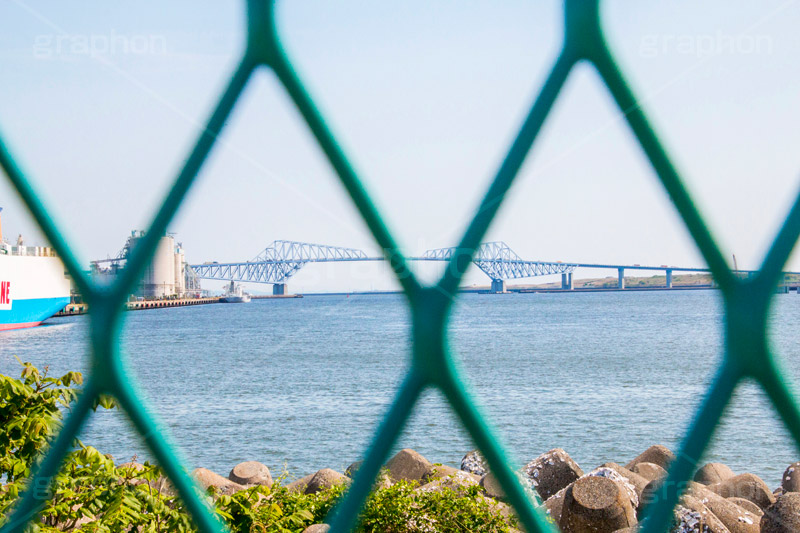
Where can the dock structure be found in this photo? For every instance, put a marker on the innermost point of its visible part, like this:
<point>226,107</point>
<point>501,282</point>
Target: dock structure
<point>176,302</point>
<point>139,305</point>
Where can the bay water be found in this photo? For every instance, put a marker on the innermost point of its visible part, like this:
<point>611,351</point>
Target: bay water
<point>302,384</point>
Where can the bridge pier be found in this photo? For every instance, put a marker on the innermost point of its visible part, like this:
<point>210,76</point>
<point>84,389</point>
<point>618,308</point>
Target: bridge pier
<point>620,278</point>
<point>669,278</point>
<point>566,281</point>
<point>498,286</point>
<point>279,289</point>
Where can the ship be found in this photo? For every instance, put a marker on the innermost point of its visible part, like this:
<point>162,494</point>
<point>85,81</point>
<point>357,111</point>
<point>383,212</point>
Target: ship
<point>33,284</point>
<point>235,295</point>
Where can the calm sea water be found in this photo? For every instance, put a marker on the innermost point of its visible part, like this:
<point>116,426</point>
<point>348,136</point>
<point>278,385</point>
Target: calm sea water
<point>304,382</point>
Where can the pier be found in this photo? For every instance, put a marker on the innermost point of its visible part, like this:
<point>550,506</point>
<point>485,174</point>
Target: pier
<point>82,308</point>
<point>178,302</point>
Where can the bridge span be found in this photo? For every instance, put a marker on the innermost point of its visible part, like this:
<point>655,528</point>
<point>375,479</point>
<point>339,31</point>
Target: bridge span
<point>281,260</point>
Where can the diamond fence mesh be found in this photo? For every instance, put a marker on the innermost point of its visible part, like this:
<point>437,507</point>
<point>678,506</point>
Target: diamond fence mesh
<point>746,301</point>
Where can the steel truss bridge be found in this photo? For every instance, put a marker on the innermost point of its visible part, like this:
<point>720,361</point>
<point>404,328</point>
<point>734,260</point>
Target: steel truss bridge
<point>282,259</point>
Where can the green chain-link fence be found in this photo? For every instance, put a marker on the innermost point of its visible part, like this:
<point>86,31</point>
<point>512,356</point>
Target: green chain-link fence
<point>746,302</point>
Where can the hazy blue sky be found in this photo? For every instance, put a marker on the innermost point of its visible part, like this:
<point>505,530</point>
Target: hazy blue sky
<point>425,97</point>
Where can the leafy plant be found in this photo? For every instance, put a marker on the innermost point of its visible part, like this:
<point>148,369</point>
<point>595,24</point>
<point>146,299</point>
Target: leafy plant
<point>275,509</point>
<point>30,412</point>
<point>403,508</point>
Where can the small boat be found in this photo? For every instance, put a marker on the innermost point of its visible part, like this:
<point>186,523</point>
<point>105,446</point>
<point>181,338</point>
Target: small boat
<point>235,295</point>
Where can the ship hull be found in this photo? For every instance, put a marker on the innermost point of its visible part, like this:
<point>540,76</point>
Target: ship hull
<point>32,312</point>
<point>32,289</point>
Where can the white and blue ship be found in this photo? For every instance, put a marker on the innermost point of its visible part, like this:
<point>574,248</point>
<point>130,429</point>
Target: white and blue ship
<point>33,285</point>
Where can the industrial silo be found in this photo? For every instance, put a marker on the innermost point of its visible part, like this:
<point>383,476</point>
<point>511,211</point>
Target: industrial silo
<point>159,278</point>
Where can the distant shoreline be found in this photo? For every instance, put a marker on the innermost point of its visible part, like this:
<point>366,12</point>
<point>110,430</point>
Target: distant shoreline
<point>516,290</point>
<point>608,284</point>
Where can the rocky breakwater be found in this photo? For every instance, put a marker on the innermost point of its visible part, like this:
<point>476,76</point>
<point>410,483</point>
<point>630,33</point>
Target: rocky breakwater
<point>611,498</point>
<point>608,499</point>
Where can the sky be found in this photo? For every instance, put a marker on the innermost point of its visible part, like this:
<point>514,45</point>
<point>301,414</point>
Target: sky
<point>101,102</point>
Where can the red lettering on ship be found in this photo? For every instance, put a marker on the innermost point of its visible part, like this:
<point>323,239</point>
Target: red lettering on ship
<point>5,292</point>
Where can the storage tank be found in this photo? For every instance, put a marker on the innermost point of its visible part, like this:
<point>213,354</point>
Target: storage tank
<point>179,261</point>
<point>159,277</point>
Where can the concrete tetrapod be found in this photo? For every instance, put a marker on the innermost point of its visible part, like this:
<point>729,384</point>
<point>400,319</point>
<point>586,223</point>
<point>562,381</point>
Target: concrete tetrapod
<point>693,516</point>
<point>325,479</point>
<point>408,465</point>
<point>783,516</point>
<point>206,478</point>
<point>251,473</point>
<point>791,478</point>
<point>747,505</point>
<point>747,486</point>
<point>736,518</point>
<point>658,454</point>
<point>649,471</point>
<point>555,504</point>
<point>317,528</point>
<point>631,479</point>
<point>595,504</point>
<point>552,471</point>
<point>711,473</point>
<point>475,463</point>
<point>299,485</point>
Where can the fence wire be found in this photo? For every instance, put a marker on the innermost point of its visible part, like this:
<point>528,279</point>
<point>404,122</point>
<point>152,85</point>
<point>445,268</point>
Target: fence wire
<point>746,301</point>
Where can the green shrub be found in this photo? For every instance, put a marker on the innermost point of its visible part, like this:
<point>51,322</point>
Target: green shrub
<point>401,508</point>
<point>93,494</point>
<point>29,414</point>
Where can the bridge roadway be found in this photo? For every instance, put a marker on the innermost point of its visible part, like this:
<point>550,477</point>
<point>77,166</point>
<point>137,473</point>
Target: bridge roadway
<point>283,259</point>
